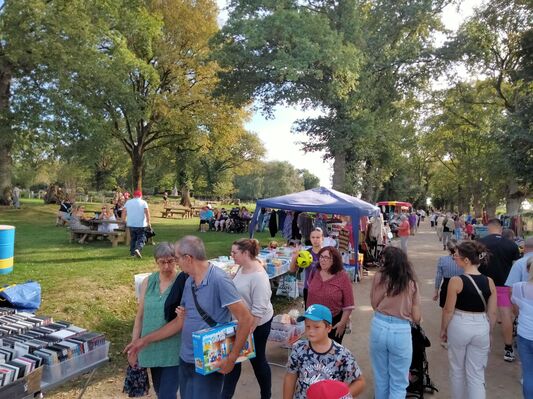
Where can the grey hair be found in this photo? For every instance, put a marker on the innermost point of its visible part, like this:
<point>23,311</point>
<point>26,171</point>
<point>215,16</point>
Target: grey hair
<point>451,245</point>
<point>164,250</point>
<point>193,246</point>
<point>403,217</point>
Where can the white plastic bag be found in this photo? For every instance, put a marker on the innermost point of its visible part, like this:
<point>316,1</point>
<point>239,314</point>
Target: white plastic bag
<point>288,286</point>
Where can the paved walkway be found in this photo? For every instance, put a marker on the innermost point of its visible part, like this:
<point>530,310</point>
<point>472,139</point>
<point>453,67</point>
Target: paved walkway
<point>503,379</point>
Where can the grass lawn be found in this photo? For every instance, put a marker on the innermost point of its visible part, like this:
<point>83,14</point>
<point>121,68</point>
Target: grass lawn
<point>92,285</point>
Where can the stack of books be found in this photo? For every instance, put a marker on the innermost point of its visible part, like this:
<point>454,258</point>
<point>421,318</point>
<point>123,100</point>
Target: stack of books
<point>28,341</point>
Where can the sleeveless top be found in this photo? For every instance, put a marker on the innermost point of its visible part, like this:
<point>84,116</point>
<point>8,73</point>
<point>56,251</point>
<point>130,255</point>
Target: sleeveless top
<point>468,299</point>
<point>164,353</point>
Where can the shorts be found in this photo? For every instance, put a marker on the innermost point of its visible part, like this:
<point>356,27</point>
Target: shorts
<point>504,299</point>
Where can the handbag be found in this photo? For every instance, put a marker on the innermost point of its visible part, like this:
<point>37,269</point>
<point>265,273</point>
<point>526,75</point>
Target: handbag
<point>149,232</point>
<point>478,290</point>
<point>136,383</point>
<point>205,317</point>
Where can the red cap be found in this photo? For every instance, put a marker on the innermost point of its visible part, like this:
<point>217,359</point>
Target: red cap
<point>328,389</point>
<point>137,193</point>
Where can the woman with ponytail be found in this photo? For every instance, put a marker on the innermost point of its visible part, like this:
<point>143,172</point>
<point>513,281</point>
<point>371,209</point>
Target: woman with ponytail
<point>467,320</point>
<point>253,285</point>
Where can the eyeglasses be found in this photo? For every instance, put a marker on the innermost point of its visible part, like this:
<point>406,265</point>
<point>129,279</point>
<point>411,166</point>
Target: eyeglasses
<point>168,261</point>
<point>323,257</point>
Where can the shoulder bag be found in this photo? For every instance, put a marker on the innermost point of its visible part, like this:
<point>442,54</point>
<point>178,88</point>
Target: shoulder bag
<point>478,290</point>
<point>205,317</point>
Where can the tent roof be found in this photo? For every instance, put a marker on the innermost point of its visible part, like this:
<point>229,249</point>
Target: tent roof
<point>321,199</point>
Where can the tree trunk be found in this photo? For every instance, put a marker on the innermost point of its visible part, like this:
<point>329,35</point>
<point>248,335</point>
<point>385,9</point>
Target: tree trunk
<point>185,196</point>
<point>339,170</point>
<point>514,198</point>
<point>491,210</point>
<point>137,168</point>
<point>7,136</point>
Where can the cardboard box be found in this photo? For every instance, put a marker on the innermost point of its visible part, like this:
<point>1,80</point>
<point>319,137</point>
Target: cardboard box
<point>211,345</point>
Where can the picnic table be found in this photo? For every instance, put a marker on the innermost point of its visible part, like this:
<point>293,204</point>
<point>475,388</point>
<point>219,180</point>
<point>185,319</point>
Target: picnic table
<point>183,212</point>
<point>116,236</point>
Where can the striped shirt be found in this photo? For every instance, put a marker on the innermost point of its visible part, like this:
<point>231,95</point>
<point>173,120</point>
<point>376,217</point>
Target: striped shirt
<point>446,268</point>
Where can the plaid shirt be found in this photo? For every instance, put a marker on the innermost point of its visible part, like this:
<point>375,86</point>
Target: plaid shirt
<point>446,268</point>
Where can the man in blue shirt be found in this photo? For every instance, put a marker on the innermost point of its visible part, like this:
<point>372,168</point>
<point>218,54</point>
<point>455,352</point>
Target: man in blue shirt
<point>218,298</point>
<point>519,270</point>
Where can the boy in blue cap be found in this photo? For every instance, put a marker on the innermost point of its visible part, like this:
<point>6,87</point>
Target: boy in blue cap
<point>319,358</point>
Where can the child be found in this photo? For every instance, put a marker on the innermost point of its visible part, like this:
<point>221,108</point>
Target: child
<point>273,245</point>
<point>319,358</point>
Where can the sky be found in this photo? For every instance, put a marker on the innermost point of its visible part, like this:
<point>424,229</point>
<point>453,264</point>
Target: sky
<point>283,145</point>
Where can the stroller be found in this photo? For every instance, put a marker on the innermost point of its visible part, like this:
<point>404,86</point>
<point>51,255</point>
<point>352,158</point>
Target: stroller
<point>419,381</point>
<point>235,224</point>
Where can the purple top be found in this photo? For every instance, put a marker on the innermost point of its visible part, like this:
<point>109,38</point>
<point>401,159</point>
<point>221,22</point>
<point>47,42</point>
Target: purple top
<point>412,219</point>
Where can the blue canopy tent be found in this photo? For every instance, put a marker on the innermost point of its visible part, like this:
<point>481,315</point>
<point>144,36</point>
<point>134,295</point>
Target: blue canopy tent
<point>323,200</point>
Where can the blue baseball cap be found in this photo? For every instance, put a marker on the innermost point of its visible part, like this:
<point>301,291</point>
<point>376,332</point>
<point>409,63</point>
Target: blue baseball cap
<point>316,313</point>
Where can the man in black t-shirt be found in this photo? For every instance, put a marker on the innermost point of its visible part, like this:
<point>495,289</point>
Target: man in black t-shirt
<point>502,254</point>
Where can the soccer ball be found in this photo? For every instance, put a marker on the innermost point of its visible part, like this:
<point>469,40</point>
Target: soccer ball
<point>304,259</point>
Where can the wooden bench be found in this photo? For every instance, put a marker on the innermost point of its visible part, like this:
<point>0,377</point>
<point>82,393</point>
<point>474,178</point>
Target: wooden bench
<point>115,236</point>
<point>169,212</point>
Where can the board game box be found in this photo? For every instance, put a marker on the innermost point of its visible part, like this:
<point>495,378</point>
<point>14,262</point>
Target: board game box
<point>211,345</point>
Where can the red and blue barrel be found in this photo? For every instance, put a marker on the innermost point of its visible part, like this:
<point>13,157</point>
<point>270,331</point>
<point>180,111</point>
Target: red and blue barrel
<point>7,248</point>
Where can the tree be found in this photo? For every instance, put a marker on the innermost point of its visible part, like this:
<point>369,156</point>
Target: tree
<point>38,39</point>
<point>353,61</point>
<point>309,180</point>
<point>491,43</point>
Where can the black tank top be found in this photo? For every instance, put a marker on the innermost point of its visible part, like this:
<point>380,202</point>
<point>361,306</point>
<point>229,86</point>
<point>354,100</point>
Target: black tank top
<point>468,299</point>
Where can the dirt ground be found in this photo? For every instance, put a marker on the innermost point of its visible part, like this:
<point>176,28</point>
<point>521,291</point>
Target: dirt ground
<point>503,379</point>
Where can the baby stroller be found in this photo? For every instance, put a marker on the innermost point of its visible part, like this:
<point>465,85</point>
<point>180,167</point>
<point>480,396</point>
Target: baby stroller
<point>235,224</point>
<point>419,381</point>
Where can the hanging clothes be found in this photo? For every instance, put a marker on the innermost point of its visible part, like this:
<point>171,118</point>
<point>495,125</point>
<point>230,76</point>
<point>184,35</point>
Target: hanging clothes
<point>305,224</point>
<point>281,218</point>
<point>273,224</point>
<point>295,230</point>
<point>287,226</point>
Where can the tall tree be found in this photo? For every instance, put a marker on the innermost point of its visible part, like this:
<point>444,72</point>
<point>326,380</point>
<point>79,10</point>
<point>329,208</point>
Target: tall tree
<point>352,59</point>
<point>491,43</point>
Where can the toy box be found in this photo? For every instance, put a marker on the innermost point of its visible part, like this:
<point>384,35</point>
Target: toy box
<point>211,345</point>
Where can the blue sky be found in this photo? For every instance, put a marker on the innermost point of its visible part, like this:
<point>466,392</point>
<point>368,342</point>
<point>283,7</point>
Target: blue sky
<point>276,134</point>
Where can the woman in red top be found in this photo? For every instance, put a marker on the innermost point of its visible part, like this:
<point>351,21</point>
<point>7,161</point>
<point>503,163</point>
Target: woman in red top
<point>330,285</point>
<point>403,232</point>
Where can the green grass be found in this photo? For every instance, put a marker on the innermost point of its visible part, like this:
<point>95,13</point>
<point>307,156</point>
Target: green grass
<point>92,285</point>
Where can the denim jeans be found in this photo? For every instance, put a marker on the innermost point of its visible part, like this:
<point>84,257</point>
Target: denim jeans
<point>403,243</point>
<point>525,351</point>
<point>259,364</point>
<point>166,381</point>
<point>137,239</point>
<point>391,352</point>
<point>446,235</point>
<point>197,386</point>
<point>458,234</point>
<point>468,352</point>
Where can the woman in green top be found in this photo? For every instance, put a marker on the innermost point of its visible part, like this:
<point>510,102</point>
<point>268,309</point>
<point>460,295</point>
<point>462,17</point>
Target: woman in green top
<point>160,290</point>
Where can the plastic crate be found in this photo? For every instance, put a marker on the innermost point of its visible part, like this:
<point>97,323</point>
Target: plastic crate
<point>65,370</point>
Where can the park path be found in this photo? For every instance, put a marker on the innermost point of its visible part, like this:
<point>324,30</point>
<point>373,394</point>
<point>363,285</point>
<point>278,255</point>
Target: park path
<point>503,379</point>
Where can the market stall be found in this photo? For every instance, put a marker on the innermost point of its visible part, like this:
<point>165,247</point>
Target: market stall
<point>322,200</point>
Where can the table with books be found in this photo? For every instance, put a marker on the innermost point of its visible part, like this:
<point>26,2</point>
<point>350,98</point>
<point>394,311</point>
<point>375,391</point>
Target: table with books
<point>38,354</point>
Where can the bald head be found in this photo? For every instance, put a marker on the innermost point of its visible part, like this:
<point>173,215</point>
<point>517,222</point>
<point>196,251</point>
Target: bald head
<point>494,226</point>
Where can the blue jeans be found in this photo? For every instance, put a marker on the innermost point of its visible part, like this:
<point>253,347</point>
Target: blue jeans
<point>166,381</point>
<point>391,352</point>
<point>259,364</point>
<point>525,351</point>
<point>197,386</point>
<point>458,234</point>
<point>138,239</point>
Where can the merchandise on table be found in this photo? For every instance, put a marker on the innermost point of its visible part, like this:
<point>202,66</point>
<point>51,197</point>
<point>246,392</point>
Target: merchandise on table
<point>285,329</point>
<point>275,265</point>
<point>28,341</point>
<point>211,345</point>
